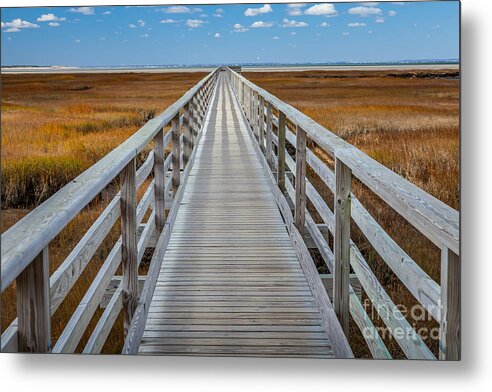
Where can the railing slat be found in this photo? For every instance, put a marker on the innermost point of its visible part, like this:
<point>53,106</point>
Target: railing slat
<point>159,179</point>
<point>341,268</point>
<point>176,152</point>
<point>129,242</point>
<point>281,151</point>
<point>33,306</point>
<point>450,331</point>
<point>300,200</point>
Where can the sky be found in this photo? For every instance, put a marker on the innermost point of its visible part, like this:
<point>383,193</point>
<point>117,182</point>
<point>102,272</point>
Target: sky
<point>230,33</point>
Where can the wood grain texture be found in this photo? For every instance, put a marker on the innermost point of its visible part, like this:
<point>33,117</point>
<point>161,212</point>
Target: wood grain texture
<point>176,153</point>
<point>341,270</point>
<point>33,306</point>
<point>433,218</point>
<point>300,188</point>
<point>281,151</point>
<point>129,242</point>
<point>159,181</point>
<point>450,331</point>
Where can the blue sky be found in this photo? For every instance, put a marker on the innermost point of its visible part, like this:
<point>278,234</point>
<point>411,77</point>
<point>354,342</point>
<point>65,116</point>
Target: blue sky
<point>234,33</point>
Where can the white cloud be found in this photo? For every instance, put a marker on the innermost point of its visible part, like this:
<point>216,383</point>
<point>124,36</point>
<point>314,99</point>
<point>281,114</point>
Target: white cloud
<point>293,33</point>
<point>50,18</point>
<point>107,13</point>
<point>257,11</point>
<point>293,23</point>
<point>295,9</point>
<point>217,35</point>
<point>391,13</point>
<point>369,32</point>
<point>275,38</point>
<point>54,24</point>
<point>345,34</point>
<point>218,13</point>
<point>379,20</point>
<point>325,9</point>
<point>141,23</point>
<point>356,24</point>
<point>194,23</point>
<point>168,21</point>
<point>144,36</point>
<point>17,25</point>
<point>82,10</point>
<point>178,9</point>
<point>364,11</point>
<point>77,41</point>
<point>261,24</point>
<point>132,26</point>
<point>324,24</point>
<point>239,28</point>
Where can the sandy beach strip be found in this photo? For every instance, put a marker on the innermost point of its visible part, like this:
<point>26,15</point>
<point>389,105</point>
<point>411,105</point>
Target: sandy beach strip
<point>382,67</point>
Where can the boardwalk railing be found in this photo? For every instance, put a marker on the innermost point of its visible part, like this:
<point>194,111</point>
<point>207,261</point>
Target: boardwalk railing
<point>276,125</point>
<point>25,246</point>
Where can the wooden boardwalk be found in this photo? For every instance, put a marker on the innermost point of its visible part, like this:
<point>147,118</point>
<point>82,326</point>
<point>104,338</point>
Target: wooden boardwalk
<point>231,272</point>
<point>230,282</point>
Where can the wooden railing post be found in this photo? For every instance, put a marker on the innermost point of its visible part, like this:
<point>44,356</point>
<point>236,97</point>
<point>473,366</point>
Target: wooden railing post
<point>129,242</point>
<point>342,244</point>
<point>254,118</point>
<point>176,151</point>
<point>159,181</point>
<point>300,188</point>
<point>261,122</point>
<point>33,306</point>
<point>191,125</point>
<point>281,151</point>
<point>187,135</point>
<point>450,326</point>
<point>269,137</point>
<point>252,109</point>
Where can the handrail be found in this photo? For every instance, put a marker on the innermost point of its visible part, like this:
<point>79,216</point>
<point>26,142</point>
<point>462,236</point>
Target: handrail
<point>433,218</point>
<point>26,239</point>
<point>436,219</point>
<point>38,294</point>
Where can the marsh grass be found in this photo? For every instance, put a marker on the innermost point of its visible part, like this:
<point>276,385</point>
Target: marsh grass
<point>56,126</point>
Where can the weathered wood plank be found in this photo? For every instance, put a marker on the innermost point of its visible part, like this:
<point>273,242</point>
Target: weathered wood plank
<point>176,153</point>
<point>300,188</point>
<point>159,181</point>
<point>33,306</point>
<point>430,216</point>
<point>450,331</point>
<point>129,242</point>
<point>281,151</point>
<point>341,268</point>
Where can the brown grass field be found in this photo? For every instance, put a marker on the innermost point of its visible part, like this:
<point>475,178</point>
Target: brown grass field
<point>56,126</point>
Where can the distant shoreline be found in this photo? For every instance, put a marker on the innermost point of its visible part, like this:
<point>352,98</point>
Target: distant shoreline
<point>261,68</point>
